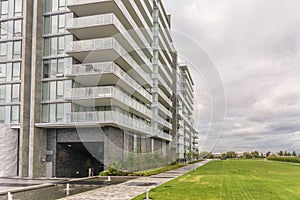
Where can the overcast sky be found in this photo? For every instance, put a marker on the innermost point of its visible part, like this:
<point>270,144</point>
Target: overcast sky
<point>255,46</point>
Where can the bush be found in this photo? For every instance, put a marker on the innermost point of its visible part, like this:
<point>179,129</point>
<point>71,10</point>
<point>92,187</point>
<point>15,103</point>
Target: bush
<point>195,161</point>
<point>291,159</point>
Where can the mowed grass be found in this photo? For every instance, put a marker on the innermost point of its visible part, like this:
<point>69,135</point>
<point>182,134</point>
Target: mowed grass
<point>234,180</point>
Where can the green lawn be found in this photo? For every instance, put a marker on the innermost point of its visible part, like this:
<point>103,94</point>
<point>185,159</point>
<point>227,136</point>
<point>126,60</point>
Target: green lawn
<point>234,180</point>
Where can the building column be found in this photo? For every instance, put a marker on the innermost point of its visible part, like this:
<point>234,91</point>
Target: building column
<point>37,136</point>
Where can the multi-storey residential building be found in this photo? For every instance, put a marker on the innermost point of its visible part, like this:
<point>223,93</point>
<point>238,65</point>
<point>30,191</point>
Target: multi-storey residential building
<point>187,135</point>
<point>85,82</point>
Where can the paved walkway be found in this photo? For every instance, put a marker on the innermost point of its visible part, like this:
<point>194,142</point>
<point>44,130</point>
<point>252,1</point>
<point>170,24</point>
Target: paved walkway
<point>133,188</point>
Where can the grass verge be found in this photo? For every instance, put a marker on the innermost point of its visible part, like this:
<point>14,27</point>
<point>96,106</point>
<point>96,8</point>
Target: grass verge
<point>234,180</point>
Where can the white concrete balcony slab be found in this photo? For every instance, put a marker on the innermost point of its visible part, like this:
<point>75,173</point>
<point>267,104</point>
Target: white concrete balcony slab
<point>164,111</point>
<point>107,96</point>
<point>109,118</point>
<point>107,50</point>
<point>164,123</point>
<point>96,7</point>
<point>108,25</point>
<point>164,99</point>
<point>164,85</point>
<point>94,74</point>
<point>163,135</point>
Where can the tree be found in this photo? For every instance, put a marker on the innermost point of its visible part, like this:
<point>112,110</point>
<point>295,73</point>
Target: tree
<point>294,153</point>
<point>280,153</point>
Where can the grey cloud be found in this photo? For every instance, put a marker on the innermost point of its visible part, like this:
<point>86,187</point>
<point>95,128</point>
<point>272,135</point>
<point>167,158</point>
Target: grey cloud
<point>256,48</point>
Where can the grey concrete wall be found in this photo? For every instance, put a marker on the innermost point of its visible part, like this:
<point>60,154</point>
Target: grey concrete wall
<point>8,151</point>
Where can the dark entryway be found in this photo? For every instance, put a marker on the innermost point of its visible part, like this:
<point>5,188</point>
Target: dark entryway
<point>75,159</point>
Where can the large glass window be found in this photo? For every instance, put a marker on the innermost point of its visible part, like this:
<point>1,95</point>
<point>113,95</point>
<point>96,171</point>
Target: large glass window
<point>15,113</point>
<point>53,67</point>
<point>45,113</point>
<point>2,93</point>
<point>2,72</point>
<point>3,30</point>
<point>17,49</point>
<point>54,24</point>
<point>18,7</point>
<point>47,25</point>
<point>52,113</point>
<point>54,45</point>
<point>15,93</point>
<point>16,71</point>
<point>2,114</point>
<point>4,8</point>
<point>61,23</point>
<point>3,50</point>
<point>53,90</point>
<point>18,28</point>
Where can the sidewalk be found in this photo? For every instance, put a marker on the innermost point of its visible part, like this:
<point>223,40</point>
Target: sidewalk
<point>133,188</point>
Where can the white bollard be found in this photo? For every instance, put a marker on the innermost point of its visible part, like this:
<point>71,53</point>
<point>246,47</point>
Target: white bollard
<point>108,178</point>
<point>147,194</point>
<point>68,189</point>
<point>9,196</point>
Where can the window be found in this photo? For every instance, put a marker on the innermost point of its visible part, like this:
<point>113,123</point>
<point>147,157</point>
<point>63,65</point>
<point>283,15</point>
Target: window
<point>15,110</point>
<point>2,94</point>
<point>54,5</point>
<point>2,114</point>
<point>52,113</point>
<point>4,8</point>
<point>61,4</point>
<point>3,30</point>
<point>17,49</point>
<point>54,46</point>
<point>18,28</point>
<point>47,6</point>
<point>2,72</point>
<point>54,24</point>
<point>45,91</point>
<point>16,71</point>
<point>53,67</point>
<point>61,23</point>
<point>3,50</point>
<point>15,93</point>
<point>47,46</point>
<point>53,90</point>
<point>47,25</point>
<point>18,7</point>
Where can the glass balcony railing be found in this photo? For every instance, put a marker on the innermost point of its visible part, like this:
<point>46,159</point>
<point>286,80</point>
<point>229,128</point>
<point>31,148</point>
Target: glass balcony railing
<point>107,92</point>
<point>164,122</point>
<point>165,110</point>
<point>108,117</point>
<point>164,136</point>
<point>107,43</point>
<point>104,68</point>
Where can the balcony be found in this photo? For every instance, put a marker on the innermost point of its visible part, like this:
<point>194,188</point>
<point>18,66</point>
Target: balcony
<point>109,73</point>
<point>164,111</point>
<point>96,7</point>
<point>164,136</point>
<point>107,50</point>
<point>164,123</point>
<point>108,25</point>
<point>164,99</point>
<point>108,118</point>
<point>164,85</point>
<point>107,96</point>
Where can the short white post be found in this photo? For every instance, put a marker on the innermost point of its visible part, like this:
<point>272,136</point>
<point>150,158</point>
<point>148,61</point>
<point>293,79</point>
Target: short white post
<point>68,189</point>
<point>90,172</point>
<point>9,196</point>
<point>108,178</point>
<point>147,194</point>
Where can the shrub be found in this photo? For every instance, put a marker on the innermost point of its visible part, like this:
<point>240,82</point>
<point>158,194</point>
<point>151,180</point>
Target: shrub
<point>291,159</point>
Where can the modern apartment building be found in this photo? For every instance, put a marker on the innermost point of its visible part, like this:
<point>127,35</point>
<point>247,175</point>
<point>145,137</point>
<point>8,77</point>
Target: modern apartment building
<point>85,82</point>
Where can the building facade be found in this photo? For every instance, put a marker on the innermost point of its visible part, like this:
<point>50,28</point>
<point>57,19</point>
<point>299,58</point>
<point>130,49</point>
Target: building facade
<point>84,83</point>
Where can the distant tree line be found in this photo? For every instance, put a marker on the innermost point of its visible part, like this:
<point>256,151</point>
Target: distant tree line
<point>247,155</point>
